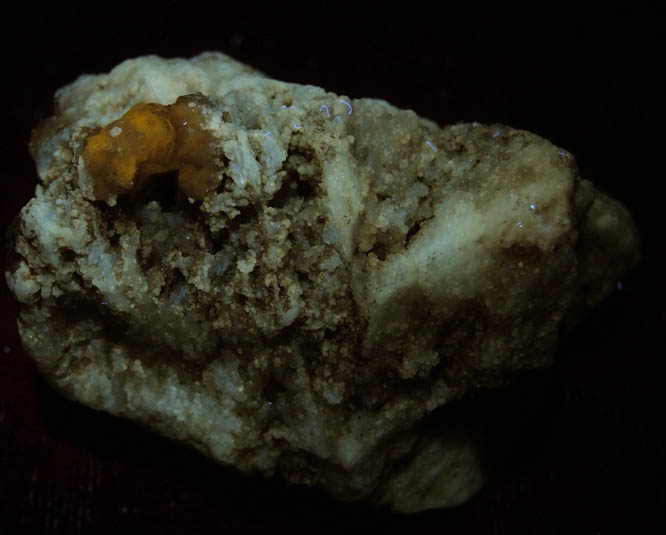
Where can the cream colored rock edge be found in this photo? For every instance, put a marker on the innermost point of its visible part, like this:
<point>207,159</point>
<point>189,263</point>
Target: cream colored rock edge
<point>356,269</point>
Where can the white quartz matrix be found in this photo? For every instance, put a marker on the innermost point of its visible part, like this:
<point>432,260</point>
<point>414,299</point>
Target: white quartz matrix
<point>354,270</point>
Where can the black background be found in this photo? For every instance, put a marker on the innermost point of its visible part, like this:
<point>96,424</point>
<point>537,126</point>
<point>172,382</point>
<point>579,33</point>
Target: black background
<point>579,449</point>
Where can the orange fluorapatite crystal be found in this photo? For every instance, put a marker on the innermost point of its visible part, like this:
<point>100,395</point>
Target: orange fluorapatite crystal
<point>151,139</point>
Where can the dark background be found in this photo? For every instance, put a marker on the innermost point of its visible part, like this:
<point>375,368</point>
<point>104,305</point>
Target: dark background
<point>577,449</point>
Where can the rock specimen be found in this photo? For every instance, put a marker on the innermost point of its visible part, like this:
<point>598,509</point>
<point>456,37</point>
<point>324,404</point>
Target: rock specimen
<point>291,280</point>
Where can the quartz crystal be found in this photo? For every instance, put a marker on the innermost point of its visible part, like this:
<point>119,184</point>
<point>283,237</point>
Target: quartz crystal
<point>295,281</point>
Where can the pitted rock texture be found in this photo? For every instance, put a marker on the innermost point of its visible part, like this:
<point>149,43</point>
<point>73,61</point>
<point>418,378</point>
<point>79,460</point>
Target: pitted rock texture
<point>348,269</point>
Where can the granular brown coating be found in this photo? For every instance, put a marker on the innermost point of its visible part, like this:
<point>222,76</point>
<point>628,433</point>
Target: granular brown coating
<point>298,280</point>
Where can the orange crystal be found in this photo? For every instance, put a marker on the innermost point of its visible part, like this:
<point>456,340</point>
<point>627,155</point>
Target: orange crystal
<point>151,139</point>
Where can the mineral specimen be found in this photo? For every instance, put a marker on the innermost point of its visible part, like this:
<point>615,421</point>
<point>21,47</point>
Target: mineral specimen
<point>291,280</point>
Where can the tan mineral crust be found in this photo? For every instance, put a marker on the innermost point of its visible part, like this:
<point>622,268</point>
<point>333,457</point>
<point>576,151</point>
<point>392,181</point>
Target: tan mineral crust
<point>293,281</point>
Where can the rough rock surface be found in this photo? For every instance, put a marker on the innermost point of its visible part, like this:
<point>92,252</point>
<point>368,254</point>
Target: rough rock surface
<point>349,269</point>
